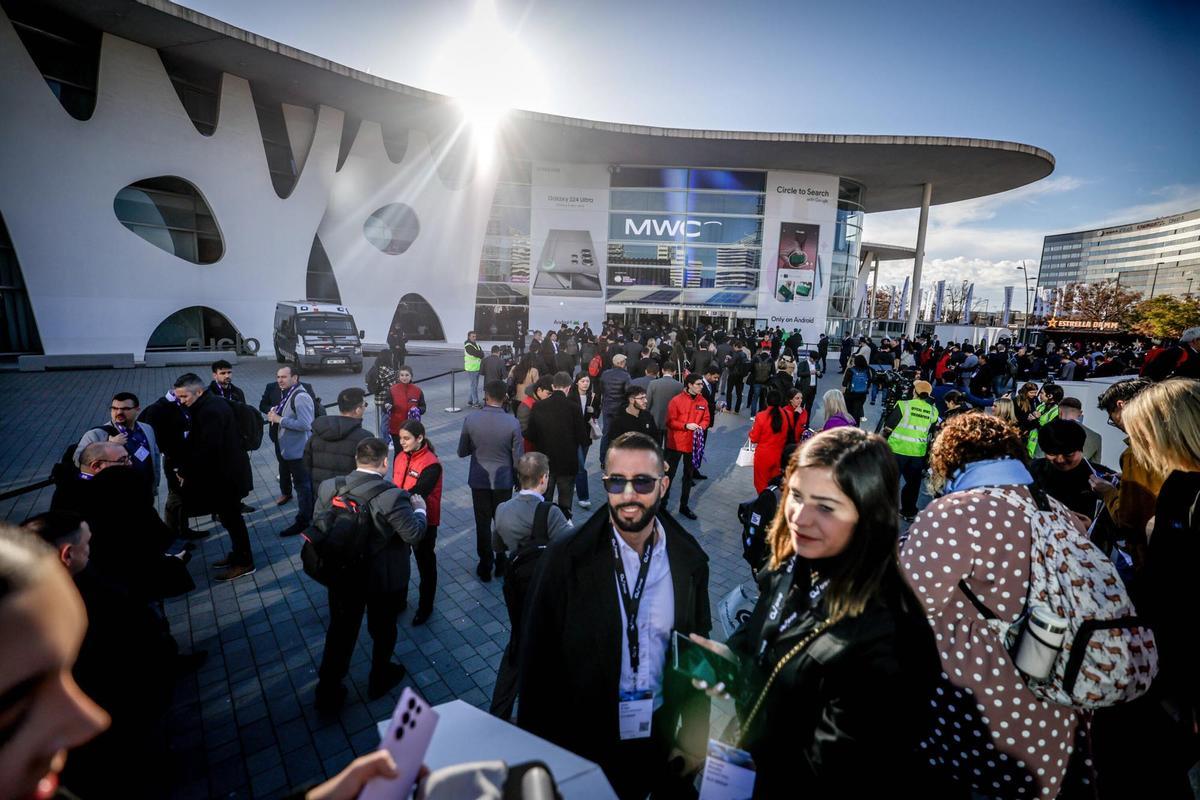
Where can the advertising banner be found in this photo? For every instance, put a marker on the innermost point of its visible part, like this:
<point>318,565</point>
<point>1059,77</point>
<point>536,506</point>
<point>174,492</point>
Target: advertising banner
<point>968,299</point>
<point>1008,295</point>
<point>893,303</point>
<point>798,229</point>
<point>569,236</point>
<point>904,299</point>
<point>937,301</point>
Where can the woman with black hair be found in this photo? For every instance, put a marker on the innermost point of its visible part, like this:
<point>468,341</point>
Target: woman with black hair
<point>583,392</point>
<point>855,384</point>
<point>773,428</point>
<point>418,471</point>
<point>836,665</point>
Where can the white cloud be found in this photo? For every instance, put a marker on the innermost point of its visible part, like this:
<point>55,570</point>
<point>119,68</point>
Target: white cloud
<point>1167,200</point>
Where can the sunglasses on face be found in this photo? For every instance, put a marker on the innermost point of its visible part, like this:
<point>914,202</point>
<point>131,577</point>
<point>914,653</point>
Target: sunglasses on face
<point>642,484</point>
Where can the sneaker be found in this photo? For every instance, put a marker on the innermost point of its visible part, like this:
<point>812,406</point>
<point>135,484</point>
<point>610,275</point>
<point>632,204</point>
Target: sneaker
<point>380,684</point>
<point>585,503</point>
<point>233,572</point>
<point>227,561</point>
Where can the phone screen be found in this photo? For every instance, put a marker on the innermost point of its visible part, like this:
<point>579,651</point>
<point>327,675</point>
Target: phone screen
<point>697,661</point>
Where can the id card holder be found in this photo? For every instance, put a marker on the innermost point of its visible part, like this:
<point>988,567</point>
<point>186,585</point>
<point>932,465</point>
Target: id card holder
<point>142,453</point>
<point>728,773</point>
<point>634,714</point>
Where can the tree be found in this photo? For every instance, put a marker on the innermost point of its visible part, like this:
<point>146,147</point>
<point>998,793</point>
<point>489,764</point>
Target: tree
<point>1165,316</point>
<point>953,301</point>
<point>1107,301</point>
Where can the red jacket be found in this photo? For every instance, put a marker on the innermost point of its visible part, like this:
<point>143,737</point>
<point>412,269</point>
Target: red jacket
<point>406,475</point>
<point>683,409</point>
<point>942,365</point>
<point>404,397</point>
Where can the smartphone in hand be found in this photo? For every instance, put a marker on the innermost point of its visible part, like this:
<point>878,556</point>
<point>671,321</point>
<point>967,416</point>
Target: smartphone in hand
<point>699,663</point>
<point>407,738</point>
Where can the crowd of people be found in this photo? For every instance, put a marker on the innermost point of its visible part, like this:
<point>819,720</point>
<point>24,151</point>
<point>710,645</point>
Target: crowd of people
<point>897,578</point>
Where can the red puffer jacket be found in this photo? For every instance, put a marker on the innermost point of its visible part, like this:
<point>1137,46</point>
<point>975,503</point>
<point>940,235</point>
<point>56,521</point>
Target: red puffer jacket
<point>404,397</point>
<point>683,409</point>
<point>407,475</point>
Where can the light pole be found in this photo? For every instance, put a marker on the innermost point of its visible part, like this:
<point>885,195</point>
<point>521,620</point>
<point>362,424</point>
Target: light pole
<point>1025,323</point>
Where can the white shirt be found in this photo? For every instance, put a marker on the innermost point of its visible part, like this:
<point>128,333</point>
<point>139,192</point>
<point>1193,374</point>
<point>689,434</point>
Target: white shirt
<point>655,620</point>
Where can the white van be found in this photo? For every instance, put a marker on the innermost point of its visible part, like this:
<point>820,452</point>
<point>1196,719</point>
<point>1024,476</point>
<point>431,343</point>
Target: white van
<point>312,334</point>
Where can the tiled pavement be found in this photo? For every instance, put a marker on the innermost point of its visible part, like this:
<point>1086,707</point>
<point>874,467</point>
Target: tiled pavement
<point>243,726</point>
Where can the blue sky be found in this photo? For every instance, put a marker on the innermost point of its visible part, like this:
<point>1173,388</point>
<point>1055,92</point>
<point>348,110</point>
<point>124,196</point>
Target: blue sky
<point>1102,85</point>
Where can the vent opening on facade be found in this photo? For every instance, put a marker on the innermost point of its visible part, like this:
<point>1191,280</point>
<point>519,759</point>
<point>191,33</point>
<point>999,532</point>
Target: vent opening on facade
<point>322,283</point>
<point>171,214</point>
<point>395,142</point>
<point>194,328</point>
<point>280,161</point>
<point>417,318</point>
<point>199,90</point>
<point>350,127</point>
<point>18,328</point>
<point>65,51</point>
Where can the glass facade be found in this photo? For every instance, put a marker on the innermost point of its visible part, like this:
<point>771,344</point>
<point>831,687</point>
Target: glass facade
<point>847,240</point>
<point>65,51</point>
<point>685,236</point>
<point>1159,256</point>
<point>502,294</point>
<point>18,329</point>
<point>169,213</point>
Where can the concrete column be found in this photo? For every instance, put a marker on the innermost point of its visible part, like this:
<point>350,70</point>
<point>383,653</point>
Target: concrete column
<point>910,329</point>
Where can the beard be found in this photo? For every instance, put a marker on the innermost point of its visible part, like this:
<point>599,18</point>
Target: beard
<point>639,522</point>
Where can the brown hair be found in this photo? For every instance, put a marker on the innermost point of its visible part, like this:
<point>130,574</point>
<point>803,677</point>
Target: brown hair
<point>967,438</point>
<point>865,470</point>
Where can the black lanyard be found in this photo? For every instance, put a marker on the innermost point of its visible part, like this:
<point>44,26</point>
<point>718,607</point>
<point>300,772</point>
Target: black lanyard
<point>777,624</point>
<point>634,601</point>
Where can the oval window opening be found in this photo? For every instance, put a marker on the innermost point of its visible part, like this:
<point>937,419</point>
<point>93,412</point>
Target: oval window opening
<point>171,214</point>
<point>392,229</point>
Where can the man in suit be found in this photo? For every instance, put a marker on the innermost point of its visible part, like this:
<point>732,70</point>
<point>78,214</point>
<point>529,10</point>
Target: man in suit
<point>556,428</point>
<point>1072,409</point>
<point>596,634</point>
<point>518,524</point>
<point>492,438</point>
<point>660,393</point>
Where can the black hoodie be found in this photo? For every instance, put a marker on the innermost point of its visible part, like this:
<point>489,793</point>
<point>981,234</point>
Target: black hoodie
<point>329,452</point>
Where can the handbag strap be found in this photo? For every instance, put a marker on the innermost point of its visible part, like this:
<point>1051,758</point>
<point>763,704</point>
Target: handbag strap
<point>783,662</point>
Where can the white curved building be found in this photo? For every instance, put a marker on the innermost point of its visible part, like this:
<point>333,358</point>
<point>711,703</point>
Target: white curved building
<point>166,178</point>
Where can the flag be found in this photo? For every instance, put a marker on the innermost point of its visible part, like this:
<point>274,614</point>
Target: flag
<point>893,304</point>
<point>1008,294</point>
<point>937,301</point>
<point>967,300</point>
<point>904,299</point>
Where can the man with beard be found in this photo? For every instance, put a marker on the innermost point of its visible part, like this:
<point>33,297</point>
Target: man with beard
<point>596,631</point>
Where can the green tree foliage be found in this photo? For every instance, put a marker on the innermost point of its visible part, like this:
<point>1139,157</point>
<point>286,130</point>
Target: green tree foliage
<point>1165,316</point>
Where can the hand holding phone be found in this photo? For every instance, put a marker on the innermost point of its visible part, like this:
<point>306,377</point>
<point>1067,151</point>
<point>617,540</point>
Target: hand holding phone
<point>702,663</point>
<point>407,738</point>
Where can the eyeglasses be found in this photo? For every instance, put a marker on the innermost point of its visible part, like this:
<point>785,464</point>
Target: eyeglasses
<point>642,484</point>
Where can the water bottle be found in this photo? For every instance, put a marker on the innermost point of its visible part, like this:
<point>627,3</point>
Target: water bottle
<point>1041,642</point>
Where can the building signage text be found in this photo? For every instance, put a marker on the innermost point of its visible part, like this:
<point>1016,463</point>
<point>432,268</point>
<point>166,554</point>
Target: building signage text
<point>690,228</point>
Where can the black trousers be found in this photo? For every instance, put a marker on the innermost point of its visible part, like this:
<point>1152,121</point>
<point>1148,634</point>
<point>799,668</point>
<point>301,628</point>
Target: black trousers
<point>485,502</point>
<point>426,568</point>
<point>504,695</point>
<point>562,486</point>
<point>735,386</point>
<point>911,468</point>
<point>346,606</point>
<point>641,767</point>
<point>854,404</point>
<point>673,458</point>
<point>229,512</point>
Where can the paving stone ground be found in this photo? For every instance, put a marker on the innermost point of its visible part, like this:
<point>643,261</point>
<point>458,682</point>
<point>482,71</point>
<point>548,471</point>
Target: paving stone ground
<point>243,726</point>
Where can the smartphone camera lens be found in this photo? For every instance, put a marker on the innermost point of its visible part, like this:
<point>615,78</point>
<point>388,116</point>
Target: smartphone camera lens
<point>404,719</point>
<point>411,703</point>
<point>418,711</point>
<point>400,732</point>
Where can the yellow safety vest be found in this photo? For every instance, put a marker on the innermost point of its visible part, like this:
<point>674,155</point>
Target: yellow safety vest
<point>470,363</point>
<point>911,436</point>
<point>1043,418</point>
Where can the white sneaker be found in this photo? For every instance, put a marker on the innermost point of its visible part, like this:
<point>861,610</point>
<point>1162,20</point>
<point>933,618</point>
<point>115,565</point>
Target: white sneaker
<point>585,503</point>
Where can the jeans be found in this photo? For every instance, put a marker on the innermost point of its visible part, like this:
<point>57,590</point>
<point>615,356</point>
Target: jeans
<point>485,502</point>
<point>875,390</point>
<point>911,468</point>
<point>426,568</point>
<point>757,394</point>
<point>581,477</point>
<point>346,606</point>
<point>302,479</point>
<point>285,474</point>
<point>733,389</point>
<point>564,487</point>
<point>1000,385</point>
<point>474,378</point>
<point>673,458</point>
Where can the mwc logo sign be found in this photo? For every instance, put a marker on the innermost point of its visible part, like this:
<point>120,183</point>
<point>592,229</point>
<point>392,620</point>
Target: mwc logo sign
<point>673,228</point>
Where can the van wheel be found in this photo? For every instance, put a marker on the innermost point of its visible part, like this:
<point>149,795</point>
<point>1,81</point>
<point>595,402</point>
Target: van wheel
<point>357,369</point>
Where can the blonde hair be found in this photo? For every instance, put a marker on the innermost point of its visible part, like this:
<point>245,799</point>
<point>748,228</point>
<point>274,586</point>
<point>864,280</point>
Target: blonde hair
<point>1163,423</point>
<point>833,403</point>
<point>785,365</point>
<point>1005,409</point>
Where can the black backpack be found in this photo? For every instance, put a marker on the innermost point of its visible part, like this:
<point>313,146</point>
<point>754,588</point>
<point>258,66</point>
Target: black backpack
<point>762,370</point>
<point>337,545</point>
<point>519,575</point>
<point>756,516</point>
<point>249,424</point>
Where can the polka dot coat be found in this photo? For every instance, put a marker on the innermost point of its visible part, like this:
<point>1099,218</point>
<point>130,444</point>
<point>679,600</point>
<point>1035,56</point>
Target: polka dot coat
<point>989,731</point>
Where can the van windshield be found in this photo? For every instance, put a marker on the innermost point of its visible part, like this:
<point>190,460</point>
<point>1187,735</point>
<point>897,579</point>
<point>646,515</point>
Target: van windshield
<point>326,324</point>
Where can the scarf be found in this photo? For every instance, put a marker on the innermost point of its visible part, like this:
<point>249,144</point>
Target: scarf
<point>992,472</point>
<point>698,438</point>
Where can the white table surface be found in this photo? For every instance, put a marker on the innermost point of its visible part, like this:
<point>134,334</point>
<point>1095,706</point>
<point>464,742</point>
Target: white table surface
<point>465,734</point>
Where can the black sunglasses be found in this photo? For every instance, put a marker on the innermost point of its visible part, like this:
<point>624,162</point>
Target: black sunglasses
<point>642,484</point>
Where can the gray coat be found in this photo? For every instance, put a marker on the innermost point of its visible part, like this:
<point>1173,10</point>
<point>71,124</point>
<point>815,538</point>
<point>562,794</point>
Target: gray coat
<point>296,427</point>
<point>514,522</point>
<point>660,393</point>
<point>493,369</point>
<point>399,526</point>
<point>493,440</point>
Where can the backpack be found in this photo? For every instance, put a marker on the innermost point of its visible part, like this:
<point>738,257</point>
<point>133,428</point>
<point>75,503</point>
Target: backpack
<point>1108,655</point>
<point>518,576</point>
<point>595,366</point>
<point>860,380</point>
<point>762,371</point>
<point>250,425</point>
<point>318,409</point>
<point>756,516</point>
<point>64,470</point>
<point>337,545</point>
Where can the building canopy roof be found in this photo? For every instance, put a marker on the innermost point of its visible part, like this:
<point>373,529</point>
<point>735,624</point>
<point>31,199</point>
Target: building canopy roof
<point>887,252</point>
<point>892,168</point>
